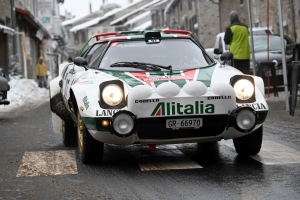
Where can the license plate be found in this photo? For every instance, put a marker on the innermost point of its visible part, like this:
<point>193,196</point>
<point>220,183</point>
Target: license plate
<point>192,123</point>
<point>278,72</point>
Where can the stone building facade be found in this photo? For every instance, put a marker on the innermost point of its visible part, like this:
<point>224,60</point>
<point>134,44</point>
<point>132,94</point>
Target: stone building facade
<point>198,16</point>
<point>6,40</point>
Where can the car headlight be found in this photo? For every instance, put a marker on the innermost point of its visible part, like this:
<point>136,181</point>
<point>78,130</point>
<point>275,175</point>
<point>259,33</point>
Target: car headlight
<point>112,94</point>
<point>243,89</point>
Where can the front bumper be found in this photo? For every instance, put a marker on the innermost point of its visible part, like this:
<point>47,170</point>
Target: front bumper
<point>155,131</point>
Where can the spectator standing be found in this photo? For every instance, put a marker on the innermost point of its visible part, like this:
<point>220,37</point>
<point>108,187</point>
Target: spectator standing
<point>41,72</point>
<point>237,36</point>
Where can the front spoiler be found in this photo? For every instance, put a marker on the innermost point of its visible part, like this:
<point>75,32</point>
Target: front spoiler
<point>109,138</point>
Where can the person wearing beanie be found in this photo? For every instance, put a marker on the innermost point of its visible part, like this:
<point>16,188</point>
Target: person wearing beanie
<point>237,36</point>
<point>41,72</point>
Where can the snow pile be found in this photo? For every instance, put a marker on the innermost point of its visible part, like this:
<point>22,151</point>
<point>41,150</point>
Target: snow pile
<point>24,93</point>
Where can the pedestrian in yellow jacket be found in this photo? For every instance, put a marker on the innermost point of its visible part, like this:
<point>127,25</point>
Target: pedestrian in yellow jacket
<point>236,35</point>
<point>41,72</point>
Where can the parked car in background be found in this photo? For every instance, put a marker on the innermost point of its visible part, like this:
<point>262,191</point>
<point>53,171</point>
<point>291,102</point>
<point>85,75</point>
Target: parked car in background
<point>4,87</point>
<point>261,51</point>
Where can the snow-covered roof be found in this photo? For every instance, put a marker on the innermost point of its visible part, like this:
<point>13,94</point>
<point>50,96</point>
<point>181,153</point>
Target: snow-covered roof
<point>7,30</point>
<point>143,26</point>
<point>98,19</point>
<point>133,20</point>
<point>70,21</point>
<point>133,12</point>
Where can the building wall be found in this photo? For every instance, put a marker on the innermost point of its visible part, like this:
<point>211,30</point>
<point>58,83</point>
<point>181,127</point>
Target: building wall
<point>6,49</point>
<point>201,17</point>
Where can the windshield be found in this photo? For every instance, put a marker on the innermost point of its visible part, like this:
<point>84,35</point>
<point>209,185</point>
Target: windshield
<point>179,53</point>
<point>261,43</point>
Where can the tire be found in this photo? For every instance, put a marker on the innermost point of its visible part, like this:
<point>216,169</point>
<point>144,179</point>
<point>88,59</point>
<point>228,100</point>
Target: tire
<point>90,151</point>
<point>69,136</point>
<point>249,144</point>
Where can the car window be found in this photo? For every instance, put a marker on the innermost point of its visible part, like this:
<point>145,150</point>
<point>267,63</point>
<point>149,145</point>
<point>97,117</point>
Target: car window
<point>180,53</point>
<point>94,54</point>
<point>261,43</point>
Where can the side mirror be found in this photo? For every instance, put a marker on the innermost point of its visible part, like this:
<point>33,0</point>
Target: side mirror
<point>80,61</point>
<point>217,51</point>
<point>226,56</point>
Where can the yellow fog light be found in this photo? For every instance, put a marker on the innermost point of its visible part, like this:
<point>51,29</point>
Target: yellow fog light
<point>105,123</point>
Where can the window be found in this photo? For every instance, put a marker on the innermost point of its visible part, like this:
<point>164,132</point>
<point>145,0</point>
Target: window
<point>83,36</point>
<point>180,53</point>
<point>94,54</point>
<point>190,4</point>
<point>76,38</point>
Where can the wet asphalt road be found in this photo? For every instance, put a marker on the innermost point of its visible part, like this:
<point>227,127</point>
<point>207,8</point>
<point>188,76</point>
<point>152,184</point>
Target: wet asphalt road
<point>222,175</point>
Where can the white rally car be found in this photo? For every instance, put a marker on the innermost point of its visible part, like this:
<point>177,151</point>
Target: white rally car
<point>155,87</point>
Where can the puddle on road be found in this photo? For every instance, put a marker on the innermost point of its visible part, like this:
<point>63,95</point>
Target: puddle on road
<point>166,159</point>
<point>47,163</point>
<point>273,153</point>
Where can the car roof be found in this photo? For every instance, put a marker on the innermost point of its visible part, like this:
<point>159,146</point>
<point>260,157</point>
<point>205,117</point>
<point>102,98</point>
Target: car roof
<point>258,30</point>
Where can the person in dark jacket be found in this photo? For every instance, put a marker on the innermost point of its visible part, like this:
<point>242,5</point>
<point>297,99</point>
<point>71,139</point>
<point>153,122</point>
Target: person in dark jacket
<point>237,36</point>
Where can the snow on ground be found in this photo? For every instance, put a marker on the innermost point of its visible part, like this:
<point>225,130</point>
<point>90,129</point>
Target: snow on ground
<point>25,94</point>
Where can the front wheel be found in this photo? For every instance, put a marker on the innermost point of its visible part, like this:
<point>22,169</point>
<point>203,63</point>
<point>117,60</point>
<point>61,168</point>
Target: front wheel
<point>57,106</point>
<point>90,151</point>
<point>249,144</point>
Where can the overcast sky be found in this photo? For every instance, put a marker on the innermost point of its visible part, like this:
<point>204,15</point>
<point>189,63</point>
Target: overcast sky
<point>80,8</point>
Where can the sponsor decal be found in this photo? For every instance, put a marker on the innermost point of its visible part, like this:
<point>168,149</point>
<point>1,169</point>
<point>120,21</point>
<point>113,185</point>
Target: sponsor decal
<point>86,82</point>
<point>173,108</point>
<point>146,100</point>
<point>153,78</point>
<point>114,45</point>
<point>153,41</point>
<point>86,102</point>
<point>255,106</point>
<point>218,97</point>
<point>106,113</point>
<point>169,78</point>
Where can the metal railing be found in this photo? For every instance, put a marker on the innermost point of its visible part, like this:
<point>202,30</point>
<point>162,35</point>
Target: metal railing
<point>264,72</point>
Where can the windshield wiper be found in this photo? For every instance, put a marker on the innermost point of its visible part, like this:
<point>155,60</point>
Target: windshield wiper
<point>141,65</point>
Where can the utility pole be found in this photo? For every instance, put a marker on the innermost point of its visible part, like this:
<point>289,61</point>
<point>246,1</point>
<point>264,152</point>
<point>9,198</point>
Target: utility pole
<point>13,17</point>
<point>251,36</point>
<point>197,9</point>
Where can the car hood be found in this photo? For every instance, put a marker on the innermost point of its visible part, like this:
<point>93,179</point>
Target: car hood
<point>273,55</point>
<point>150,94</point>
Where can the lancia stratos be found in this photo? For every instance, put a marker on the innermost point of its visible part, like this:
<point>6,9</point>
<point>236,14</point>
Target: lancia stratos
<point>154,87</point>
